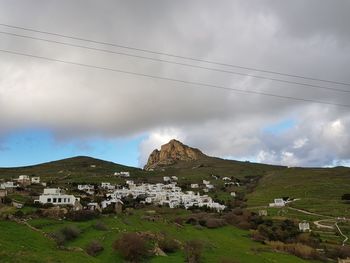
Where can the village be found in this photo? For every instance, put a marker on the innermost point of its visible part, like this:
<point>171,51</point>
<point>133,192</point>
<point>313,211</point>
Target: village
<point>111,195</point>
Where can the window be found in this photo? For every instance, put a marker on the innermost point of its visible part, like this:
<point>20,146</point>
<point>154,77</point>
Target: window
<point>59,200</point>
<point>49,200</point>
<point>54,200</point>
<point>64,200</point>
<point>68,200</point>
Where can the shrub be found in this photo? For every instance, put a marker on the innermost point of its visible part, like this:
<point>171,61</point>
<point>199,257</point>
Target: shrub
<point>18,213</point>
<point>59,238</point>
<point>99,225</point>
<point>70,232</point>
<point>179,221</point>
<point>338,252</point>
<point>168,245</point>
<point>82,215</point>
<point>131,246</point>
<point>296,249</point>
<point>93,248</point>
<point>193,251</point>
<point>214,223</point>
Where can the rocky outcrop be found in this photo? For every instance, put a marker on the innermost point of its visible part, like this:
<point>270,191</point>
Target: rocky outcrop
<point>172,152</point>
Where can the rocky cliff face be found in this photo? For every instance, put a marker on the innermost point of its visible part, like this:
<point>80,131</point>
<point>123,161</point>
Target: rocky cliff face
<point>172,152</point>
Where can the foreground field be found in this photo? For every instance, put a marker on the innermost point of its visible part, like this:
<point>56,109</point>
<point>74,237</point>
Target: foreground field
<point>19,243</point>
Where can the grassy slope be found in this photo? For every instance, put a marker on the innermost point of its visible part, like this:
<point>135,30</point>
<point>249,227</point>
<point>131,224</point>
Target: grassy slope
<point>320,190</point>
<point>19,244</point>
<point>76,169</point>
<point>226,242</point>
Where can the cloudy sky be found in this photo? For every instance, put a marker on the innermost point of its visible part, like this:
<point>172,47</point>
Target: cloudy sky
<point>51,110</point>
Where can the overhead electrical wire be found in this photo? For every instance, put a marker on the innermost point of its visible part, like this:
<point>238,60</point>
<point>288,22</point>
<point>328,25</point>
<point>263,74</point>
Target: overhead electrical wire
<point>174,79</point>
<point>178,63</point>
<point>175,55</point>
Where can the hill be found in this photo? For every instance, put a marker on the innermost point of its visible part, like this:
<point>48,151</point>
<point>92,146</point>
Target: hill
<point>78,168</point>
<point>319,189</point>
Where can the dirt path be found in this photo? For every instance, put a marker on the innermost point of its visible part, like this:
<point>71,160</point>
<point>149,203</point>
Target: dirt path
<point>345,237</point>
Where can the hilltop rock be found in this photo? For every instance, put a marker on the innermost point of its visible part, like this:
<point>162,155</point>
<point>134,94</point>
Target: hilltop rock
<point>172,152</point>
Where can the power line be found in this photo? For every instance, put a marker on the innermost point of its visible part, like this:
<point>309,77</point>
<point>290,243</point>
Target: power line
<point>178,63</point>
<point>176,56</point>
<point>175,80</point>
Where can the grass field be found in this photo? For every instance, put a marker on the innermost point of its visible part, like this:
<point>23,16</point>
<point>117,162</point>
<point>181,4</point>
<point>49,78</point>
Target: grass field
<point>20,244</point>
<point>319,190</point>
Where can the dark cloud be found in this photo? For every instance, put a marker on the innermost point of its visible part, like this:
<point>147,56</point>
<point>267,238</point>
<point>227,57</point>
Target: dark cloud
<point>298,37</point>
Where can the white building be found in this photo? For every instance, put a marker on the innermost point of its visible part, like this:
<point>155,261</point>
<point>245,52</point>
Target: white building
<point>194,186</point>
<point>8,185</point>
<point>23,179</point>
<point>206,182</point>
<point>304,226</point>
<point>233,194</point>
<point>174,178</point>
<point>278,202</point>
<point>166,179</point>
<point>35,180</point>
<point>88,188</point>
<point>107,186</point>
<point>226,179</point>
<point>57,196</point>
<point>122,174</point>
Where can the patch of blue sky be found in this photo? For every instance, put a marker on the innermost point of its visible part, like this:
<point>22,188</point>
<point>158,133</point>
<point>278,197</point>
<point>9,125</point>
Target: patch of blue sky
<point>280,127</point>
<point>33,146</point>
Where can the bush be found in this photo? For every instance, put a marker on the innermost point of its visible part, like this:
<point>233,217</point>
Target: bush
<point>296,249</point>
<point>168,245</point>
<point>66,234</point>
<point>18,213</point>
<point>82,215</point>
<point>131,246</point>
<point>214,223</point>
<point>193,251</point>
<point>338,252</point>
<point>59,238</point>
<point>99,225</point>
<point>93,248</point>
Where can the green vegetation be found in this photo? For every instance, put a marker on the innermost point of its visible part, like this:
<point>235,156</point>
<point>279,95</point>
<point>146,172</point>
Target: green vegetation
<point>219,243</point>
<point>319,190</point>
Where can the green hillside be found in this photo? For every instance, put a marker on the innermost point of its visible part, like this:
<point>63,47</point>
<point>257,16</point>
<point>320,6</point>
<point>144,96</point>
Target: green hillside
<point>319,190</point>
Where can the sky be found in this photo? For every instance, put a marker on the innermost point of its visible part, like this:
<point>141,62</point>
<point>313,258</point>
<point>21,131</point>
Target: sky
<point>52,110</point>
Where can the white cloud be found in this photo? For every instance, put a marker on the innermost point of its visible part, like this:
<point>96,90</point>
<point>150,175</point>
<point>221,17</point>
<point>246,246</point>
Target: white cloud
<point>293,37</point>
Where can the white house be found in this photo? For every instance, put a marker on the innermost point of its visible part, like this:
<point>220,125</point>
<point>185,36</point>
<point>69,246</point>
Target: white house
<point>88,188</point>
<point>23,179</point>
<point>85,187</point>
<point>35,180</point>
<point>57,196</point>
<point>166,179</point>
<point>304,226</point>
<point>107,186</point>
<point>194,186</point>
<point>94,207</point>
<point>226,179</point>
<point>174,178</point>
<point>7,185</point>
<point>233,194</point>
<point>278,202</point>
<point>206,182</point>
<point>122,174</point>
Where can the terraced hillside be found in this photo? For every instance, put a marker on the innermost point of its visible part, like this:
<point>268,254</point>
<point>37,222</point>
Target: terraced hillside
<point>319,189</point>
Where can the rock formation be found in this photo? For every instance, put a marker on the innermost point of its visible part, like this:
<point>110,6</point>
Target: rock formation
<point>170,153</point>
